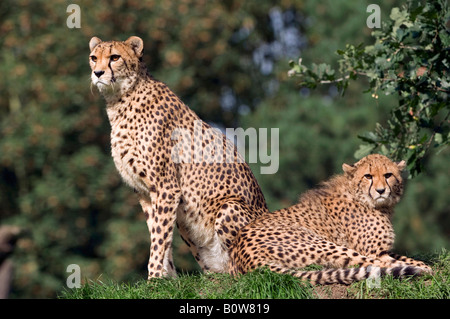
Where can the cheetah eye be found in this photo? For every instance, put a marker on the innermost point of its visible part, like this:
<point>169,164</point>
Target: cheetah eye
<point>115,57</point>
<point>93,58</point>
<point>368,176</point>
<point>387,175</point>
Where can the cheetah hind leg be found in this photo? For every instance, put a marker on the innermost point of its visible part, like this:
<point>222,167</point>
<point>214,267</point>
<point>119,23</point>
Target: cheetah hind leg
<point>233,214</point>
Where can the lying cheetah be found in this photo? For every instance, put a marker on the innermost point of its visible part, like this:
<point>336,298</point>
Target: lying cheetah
<point>155,141</point>
<point>344,222</point>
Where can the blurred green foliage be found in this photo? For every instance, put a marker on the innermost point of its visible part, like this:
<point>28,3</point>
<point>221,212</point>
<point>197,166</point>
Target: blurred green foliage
<point>228,60</point>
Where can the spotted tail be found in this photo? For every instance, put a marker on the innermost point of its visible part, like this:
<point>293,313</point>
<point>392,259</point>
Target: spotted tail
<point>350,275</point>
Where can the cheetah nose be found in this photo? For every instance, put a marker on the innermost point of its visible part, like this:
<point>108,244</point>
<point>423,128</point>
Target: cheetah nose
<point>380,190</point>
<point>99,73</point>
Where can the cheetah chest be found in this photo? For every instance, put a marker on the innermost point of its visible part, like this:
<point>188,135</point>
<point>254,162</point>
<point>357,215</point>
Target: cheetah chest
<point>127,158</point>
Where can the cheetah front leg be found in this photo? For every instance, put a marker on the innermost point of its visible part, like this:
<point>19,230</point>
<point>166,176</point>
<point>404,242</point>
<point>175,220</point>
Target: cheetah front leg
<point>378,246</point>
<point>159,210</point>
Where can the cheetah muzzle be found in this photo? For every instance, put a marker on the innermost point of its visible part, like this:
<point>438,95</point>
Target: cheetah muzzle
<point>209,201</point>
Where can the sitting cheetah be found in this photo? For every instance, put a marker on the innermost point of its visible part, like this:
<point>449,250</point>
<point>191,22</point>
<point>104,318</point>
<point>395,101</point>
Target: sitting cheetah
<point>209,197</point>
<point>344,222</point>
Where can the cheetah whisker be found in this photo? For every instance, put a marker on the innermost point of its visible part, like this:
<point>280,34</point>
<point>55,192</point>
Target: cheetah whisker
<point>91,85</point>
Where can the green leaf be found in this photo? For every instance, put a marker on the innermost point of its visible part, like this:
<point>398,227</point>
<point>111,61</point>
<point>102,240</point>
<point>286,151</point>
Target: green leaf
<point>445,38</point>
<point>438,138</point>
<point>395,14</point>
<point>364,150</point>
<point>369,137</point>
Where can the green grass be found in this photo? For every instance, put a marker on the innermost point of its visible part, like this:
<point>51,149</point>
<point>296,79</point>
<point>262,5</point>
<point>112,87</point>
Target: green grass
<point>264,284</point>
<point>259,284</point>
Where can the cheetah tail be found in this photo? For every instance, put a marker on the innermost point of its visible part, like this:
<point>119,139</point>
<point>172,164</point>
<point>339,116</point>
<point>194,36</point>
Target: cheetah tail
<point>350,275</point>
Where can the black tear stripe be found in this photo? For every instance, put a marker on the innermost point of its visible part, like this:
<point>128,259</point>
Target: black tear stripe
<point>387,182</point>
<point>398,182</point>
<point>370,187</point>
<point>113,79</point>
<point>390,188</point>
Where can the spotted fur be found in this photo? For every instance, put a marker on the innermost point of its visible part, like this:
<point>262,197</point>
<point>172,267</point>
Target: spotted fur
<point>209,198</point>
<point>344,222</point>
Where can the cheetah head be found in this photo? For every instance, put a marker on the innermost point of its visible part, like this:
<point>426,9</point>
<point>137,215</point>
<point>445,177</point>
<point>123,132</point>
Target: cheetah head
<point>114,64</point>
<point>376,180</point>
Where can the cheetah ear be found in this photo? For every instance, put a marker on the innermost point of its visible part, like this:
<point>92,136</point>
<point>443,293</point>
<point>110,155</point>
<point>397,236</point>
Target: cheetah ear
<point>348,169</point>
<point>136,44</point>
<point>93,43</point>
<point>401,165</point>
